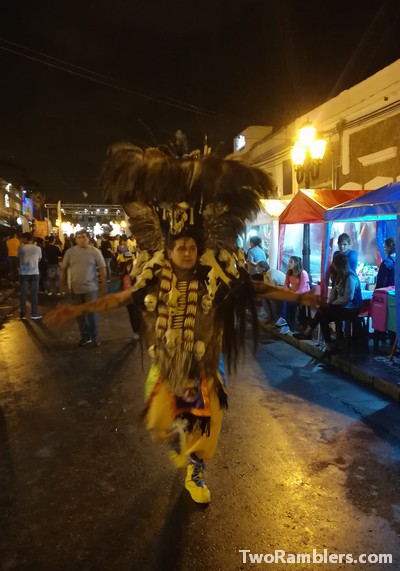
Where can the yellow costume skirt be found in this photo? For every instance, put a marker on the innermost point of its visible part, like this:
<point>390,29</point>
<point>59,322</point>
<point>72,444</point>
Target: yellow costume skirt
<point>162,412</point>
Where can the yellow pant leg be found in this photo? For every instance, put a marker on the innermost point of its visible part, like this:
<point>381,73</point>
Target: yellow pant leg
<point>160,417</point>
<point>202,445</point>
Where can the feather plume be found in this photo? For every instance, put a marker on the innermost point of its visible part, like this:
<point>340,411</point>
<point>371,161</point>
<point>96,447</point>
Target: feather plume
<point>221,194</point>
<point>131,174</point>
<point>145,227</point>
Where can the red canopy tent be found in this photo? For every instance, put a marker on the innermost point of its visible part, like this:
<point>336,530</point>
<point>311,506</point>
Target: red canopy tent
<point>308,207</point>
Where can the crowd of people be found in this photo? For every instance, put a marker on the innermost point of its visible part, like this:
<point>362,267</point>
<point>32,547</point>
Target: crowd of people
<point>345,294</point>
<point>79,266</point>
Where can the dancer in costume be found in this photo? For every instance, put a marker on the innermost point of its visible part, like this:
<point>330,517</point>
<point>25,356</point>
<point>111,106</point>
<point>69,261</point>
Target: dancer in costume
<point>191,288</point>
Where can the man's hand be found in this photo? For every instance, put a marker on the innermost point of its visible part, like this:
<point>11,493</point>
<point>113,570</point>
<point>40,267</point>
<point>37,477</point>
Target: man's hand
<point>310,298</point>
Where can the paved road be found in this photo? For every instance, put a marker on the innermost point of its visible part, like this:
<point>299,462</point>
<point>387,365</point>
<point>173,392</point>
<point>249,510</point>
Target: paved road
<point>306,460</point>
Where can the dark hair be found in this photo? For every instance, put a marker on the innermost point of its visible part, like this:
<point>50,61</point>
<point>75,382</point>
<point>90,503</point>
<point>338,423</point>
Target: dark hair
<point>342,267</point>
<point>51,239</point>
<point>27,236</point>
<point>344,238</point>
<point>255,240</point>
<point>186,233</point>
<point>263,265</point>
<point>390,244</point>
<point>80,232</point>
<point>298,266</point>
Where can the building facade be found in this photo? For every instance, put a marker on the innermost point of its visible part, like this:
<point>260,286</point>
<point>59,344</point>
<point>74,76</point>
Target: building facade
<point>361,126</point>
<point>10,205</point>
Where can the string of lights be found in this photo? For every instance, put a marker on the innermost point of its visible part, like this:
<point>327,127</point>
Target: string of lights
<point>73,69</point>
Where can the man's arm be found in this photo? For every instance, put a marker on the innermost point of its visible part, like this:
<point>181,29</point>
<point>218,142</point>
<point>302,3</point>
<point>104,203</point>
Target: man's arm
<point>103,281</point>
<point>63,272</point>
<point>66,312</point>
<point>270,292</point>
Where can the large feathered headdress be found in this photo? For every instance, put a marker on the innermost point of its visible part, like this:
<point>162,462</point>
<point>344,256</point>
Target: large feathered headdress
<point>161,193</point>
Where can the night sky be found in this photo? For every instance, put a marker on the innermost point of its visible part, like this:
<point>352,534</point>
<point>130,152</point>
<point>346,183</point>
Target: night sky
<point>222,65</point>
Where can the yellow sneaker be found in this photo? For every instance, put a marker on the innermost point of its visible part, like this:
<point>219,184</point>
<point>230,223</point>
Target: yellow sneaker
<point>195,485</point>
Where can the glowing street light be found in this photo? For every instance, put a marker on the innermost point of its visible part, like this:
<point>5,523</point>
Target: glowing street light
<point>307,154</point>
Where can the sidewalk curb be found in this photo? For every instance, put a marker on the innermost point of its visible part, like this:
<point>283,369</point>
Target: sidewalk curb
<point>344,365</point>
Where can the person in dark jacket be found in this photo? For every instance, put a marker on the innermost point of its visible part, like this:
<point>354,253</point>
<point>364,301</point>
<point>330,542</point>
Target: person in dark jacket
<point>385,277</point>
<point>344,245</point>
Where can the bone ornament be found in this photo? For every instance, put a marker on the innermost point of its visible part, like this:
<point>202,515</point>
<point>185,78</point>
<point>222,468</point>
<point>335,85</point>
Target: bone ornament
<point>151,351</point>
<point>230,261</point>
<point>172,338</point>
<point>199,350</point>
<point>144,277</point>
<point>150,302</point>
<point>212,285</point>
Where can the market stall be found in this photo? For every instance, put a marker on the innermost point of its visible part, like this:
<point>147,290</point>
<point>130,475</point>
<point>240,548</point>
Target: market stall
<point>372,218</point>
<point>266,226</point>
<point>308,207</point>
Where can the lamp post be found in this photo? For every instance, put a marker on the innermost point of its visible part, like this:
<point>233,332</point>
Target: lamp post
<point>307,154</point>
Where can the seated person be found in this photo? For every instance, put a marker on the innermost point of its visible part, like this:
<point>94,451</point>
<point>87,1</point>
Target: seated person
<point>297,281</point>
<point>274,278</point>
<point>255,255</point>
<point>345,300</point>
<point>344,245</point>
<point>385,277</point>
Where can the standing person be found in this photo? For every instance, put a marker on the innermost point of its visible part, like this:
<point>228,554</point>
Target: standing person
<point>345,300</point>
<point>42,266</point>
<point>13,244</point>
<point>192,291</point>
<point>108,253</point>
<point>255,255</point>
<point>297,281</point>
<point>83,262</point>
<point>53,257</point>
<point>385,277</point>
<point>29,255</point>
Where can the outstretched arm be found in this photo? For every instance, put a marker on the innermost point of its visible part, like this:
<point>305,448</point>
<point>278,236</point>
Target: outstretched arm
<point>66,312</point>
<point>282,294</point>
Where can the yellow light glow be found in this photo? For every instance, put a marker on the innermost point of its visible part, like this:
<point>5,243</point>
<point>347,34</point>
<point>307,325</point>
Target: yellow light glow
<point>274,207</point>
<point>123,224</point>
<point>306,135</point>
<point>298,153</point>
<point>317,148</point>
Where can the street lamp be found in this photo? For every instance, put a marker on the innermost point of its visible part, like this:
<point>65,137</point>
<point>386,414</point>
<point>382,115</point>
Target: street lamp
<point>307,154</point>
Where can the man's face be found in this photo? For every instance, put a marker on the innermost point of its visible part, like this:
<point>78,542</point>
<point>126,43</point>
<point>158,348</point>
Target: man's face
<point>82,240</point>
<point>344,246</point>
<point>184,254</point>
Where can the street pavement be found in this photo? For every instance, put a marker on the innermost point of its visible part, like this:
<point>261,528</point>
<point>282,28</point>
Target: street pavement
<point>308,459</point>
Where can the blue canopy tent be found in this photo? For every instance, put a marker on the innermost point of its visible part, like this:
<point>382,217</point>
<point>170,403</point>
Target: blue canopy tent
<point>397,279</point>
<point>382,206</point>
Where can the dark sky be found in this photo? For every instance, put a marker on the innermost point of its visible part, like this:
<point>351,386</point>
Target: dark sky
<point>227,63</point>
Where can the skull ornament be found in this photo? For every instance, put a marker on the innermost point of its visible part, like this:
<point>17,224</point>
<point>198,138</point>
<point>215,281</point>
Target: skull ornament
<point>171,339</point>
<point>206,303</point>
<point>150,302</point>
